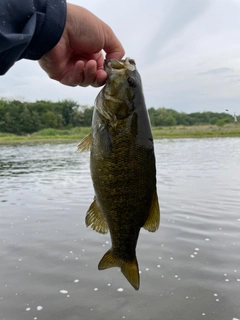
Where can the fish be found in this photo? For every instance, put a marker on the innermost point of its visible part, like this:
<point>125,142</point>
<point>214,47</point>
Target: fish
<point>123,167</point>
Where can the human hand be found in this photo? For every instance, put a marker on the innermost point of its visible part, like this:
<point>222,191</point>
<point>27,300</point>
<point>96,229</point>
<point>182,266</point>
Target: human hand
<point>77,59</point>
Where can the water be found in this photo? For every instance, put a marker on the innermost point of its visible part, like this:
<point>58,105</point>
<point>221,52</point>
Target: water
<point>190,268</point>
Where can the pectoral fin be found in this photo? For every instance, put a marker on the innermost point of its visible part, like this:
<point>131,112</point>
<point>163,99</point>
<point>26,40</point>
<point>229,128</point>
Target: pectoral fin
<point>128,268</point>
<point>95,219</point>
<point>153,219</point>
<point>104,139</point>
<point>85,143</point>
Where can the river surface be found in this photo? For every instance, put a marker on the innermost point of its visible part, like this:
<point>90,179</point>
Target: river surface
<point>190,267</point>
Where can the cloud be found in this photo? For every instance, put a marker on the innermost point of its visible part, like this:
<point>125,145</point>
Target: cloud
<point>174,20</point>
<point>235,80</point>
<point>216,71</point>
<point>187,52</point>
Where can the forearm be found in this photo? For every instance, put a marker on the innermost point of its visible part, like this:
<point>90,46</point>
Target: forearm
<point>29,29</point>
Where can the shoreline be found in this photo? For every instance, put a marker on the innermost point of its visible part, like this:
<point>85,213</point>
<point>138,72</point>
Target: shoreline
<point>177,132</point>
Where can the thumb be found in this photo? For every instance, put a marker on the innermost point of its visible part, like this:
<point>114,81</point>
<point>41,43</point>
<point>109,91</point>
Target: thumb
<point>112,46</point>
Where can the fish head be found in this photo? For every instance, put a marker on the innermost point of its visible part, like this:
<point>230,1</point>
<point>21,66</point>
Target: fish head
<point>116,99</point>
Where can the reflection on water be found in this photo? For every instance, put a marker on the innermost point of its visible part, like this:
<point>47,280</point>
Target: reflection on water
<point>48,258</point>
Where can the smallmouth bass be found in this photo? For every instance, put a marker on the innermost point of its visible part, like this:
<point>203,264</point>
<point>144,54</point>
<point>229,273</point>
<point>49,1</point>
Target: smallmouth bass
<point>122,164</point>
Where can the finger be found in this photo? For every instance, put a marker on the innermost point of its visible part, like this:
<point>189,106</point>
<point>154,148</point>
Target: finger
<point>83,75</point>
<point>100,60</point>
<point>76,76</point>
<point>112,46</point>
<point>89,72</point>
<point>100,78</point>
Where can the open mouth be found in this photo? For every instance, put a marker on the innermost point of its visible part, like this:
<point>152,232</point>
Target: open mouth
<point>127,63</point>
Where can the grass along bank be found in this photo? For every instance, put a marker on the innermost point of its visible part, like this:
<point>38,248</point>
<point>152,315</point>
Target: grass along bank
<point>47,135</point>
<point>201,131</point>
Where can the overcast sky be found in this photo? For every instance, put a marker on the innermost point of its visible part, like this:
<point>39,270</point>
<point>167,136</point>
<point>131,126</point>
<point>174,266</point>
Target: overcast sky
<point>187,52</point>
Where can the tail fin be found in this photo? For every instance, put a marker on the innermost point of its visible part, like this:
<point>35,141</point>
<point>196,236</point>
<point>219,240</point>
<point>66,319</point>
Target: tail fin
<point>128,268</point>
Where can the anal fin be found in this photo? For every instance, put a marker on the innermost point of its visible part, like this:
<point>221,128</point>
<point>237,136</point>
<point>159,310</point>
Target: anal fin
<point>95,219</point>
<point>153,220</point>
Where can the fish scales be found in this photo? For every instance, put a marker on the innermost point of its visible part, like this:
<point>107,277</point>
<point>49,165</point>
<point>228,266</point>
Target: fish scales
<point>128,194</point>
<point>122,166</point>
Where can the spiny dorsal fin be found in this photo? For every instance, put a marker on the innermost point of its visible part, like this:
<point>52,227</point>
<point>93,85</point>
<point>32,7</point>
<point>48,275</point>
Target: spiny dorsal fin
<point>85,143</point>
<point>153,219</point>
<point>95,219</point>
<point>128,268</point>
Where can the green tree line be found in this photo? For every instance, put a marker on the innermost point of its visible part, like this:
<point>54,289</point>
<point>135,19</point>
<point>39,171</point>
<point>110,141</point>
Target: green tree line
<point>27,117</point>
<point>20,117</point>
<point>170,117</point>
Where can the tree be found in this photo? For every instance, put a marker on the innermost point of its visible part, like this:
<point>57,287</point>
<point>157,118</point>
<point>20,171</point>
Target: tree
<point>87,117</point>
<point>170,121</point>
<point>50,120</point>
<point>152,116</point>
<point>222,122</point>
<point>68,107</point>
<point>22,117</point>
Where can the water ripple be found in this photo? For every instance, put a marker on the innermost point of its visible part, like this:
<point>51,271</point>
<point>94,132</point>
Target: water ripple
<point>49,258</point>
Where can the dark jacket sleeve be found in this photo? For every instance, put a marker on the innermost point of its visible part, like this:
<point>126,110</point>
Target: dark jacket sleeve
<point>29,29</point>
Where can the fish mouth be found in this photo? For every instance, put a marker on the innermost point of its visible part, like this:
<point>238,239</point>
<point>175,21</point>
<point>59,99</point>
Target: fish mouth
<point>119,65</point>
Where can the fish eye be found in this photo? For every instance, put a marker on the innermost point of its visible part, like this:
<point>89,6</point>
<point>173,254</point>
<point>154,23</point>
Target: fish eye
<point>131,82</point>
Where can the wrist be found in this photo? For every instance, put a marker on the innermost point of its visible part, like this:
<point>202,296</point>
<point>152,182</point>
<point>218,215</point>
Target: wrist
<point>50,31</point>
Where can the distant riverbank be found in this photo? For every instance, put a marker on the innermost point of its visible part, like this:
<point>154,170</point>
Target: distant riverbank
<point>201,131</point>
